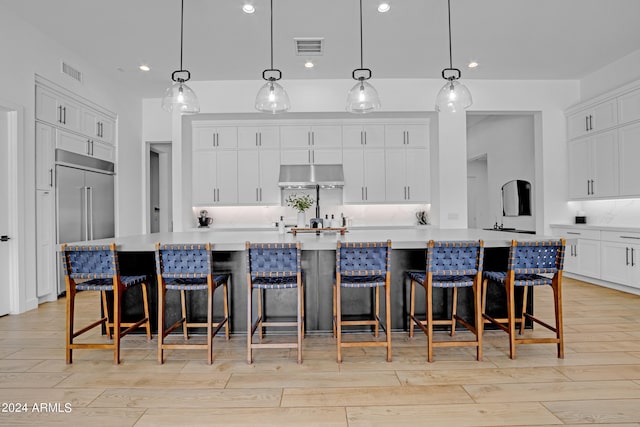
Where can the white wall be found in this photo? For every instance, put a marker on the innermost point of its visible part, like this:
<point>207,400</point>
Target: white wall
<point>27,52</point>
<point>623,71</point>
<point>508,143</point>
<point>548,99</point>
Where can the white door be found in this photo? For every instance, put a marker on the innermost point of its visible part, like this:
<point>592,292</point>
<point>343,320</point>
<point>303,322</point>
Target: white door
<point>5,246</point>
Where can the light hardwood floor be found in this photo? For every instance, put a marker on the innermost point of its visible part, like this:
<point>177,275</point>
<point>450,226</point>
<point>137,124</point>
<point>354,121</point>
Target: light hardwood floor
<point>598,382</point>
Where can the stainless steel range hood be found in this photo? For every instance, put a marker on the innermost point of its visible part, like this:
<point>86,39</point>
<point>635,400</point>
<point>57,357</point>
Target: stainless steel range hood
<point>310,176</point>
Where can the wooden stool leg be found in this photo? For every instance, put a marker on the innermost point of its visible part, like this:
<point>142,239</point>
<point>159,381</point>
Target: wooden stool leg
<point>209,320</point>
<point>339,322</point>
<point>429,320</point>
<point>387,326</point>
<point>225,308</point>
<point>249,322</point>
<point>105,308</point>
<point>299,327</point>
<point>71,297</point>
<point>183,302</point>
<point>302,306</point>
<point>412,307</point>
<point>117,302</point>
<point>454,311</point>
<point>161,334</point>
<point>376,331</point>
<point>334,311</point>
<point>511,318</point>
<point>557,299</point>
<point>524,308</point>
<point>260,313</point>
<point>145,303</point>
<point>479,323</point>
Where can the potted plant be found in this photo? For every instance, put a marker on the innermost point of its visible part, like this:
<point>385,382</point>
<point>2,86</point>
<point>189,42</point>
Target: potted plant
<point>300,204</point>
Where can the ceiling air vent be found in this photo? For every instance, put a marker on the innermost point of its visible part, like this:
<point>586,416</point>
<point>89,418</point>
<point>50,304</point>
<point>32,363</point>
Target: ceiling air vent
<point>306,46</point>
<point>71,72</point>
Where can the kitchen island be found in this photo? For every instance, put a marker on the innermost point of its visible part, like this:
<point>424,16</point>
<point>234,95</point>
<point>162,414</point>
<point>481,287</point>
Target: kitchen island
<point>318,264</point>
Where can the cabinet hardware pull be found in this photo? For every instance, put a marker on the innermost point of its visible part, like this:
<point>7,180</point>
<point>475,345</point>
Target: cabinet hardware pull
<point>630,237</point>
<point>260,193</point>
<point>256,139</point>
<point>260,139</point>
<point>590,122</point>
<point>50,177</point>
<point>64,115</point>
<point>586,123</point>
<point>632,261</point>
<point>366,193</point>
<point>408,192</point>
<point>573,232</point>
<point>627,262</point>
<point>59,113</point>
<point>575,250</point>
<point>361,138</point>
<point>362,193</point>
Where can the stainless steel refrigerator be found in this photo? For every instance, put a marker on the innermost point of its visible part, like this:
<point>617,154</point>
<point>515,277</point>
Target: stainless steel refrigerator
<point>84,200</point>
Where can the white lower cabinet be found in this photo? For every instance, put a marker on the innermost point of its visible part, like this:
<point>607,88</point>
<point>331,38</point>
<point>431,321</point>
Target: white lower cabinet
<point>621,258</point>
<point>214,178</point>
<point>46,277</point>
<point>582,255</point>
<point>258,173</point>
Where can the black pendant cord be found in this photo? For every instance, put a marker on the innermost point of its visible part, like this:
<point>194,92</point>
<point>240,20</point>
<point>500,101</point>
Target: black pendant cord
<point>271,34</point>
<point>181,31</point>
<point>449,14</point>
<point>361,54</point>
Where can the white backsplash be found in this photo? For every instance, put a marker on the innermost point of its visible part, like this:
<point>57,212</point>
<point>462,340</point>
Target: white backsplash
<point>618,213</point>
<point>261,216</point>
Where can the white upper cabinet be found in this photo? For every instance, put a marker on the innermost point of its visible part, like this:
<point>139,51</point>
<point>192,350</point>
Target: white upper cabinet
<point>86,146</point>
<point>45,161</point>
<point>98,126</point>
<point>602,116</point>
<point>406,135</point>
<point>593,166</point>
<point>312,144</point>
<point>364,177</point>
<point>58,110</point>
<point>629,148</point>
<point>369,135</point>
<point>629,107</point>
<point>215,137</point>
<point>407,175</point>
<point>265,137</point>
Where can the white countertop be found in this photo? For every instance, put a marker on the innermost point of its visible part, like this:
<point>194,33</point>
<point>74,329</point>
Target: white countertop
<point>597,227</point>
<point>234,240</point>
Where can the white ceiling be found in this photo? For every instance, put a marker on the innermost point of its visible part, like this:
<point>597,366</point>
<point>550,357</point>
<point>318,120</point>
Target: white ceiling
<point>511,39</point>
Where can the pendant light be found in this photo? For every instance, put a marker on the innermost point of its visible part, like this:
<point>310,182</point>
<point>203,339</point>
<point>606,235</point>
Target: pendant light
<point>272,98</point>
<point>362,98</point>
<point>179,96</point>
<point>454,96</point>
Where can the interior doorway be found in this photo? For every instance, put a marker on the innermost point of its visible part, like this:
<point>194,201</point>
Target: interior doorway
<point>477,193</point>
<point>159,196</point>
<point>5,243</point>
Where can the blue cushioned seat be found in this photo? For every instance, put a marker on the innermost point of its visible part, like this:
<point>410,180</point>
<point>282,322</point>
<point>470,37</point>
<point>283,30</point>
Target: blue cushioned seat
<point>186,268</point>
<point>273,266</point>
<point>363,265</point>
<point>96,268</point>
<point>533,263</point>
<point>454,265</point>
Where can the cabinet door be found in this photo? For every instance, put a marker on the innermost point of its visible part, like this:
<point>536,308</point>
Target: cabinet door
<point>72,142</point>
<point>213,138</point>
<point>395,136</point>
<point>226,173</point>
<point>629,107</point>
<point>45,146</point>
<point>269,176</point>
<point>605,115</point>
<point>634,275</point>
<point>295,136</point>
<point>107,130</point>
<point>374,135</point>
<point>616,259</point>
<point>571,264</point>
<point>295,157</point>
<point>45,243</point>
<point>248,176</point>
<point>578,124</point>
<point>72,115</point>
<point>227,137</point>
<point>629,153</point>
<point>588,254</point>
<point>326,136</point>
<point>203,183</point>
<point>329,156</point>
<point>605,165</point>
<point>90,123</point>
<point>353,136</point>
<point>374,175</point>
<point>406,135</point>
<point>353,166</point>
<point>417,173</point>
<point>47,106</point>
<point>269,137</point>
<point>103,151</point>
<point>580,168</point>
<point>395,180</point>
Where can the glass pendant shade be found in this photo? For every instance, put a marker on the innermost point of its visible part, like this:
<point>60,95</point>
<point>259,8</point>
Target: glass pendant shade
<point>272,98</point>
<point>362,98</point>
<point>453,97</point>
<point>181,98</point>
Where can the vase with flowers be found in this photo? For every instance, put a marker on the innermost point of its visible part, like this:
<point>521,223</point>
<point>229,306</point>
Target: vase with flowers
<point>301,204</point>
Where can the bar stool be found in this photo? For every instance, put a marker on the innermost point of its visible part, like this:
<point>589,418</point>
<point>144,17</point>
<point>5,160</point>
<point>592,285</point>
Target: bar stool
<point>363,265</point>
<point>189,267</point>
<point>450,264</point>
<point>534,263</point>
<point>273,266</point>
<point>96,268</point>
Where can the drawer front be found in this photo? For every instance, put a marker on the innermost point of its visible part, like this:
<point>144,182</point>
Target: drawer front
<point>577,233</point>
<point>631,238</point>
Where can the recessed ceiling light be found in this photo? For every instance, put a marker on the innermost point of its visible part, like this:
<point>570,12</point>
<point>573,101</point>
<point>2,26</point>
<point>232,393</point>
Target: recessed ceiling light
<point>248,8</point>
<point>384,7</point>
<point>472,64</point>
<point>144,67</point>
<point>308,64</point>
